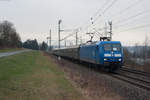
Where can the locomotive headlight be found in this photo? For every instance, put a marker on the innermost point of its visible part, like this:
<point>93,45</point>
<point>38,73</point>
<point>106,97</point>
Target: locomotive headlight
<point>107,55</point>
<point>117,55</point>
<point>119,59</point>
<point>105,59</point>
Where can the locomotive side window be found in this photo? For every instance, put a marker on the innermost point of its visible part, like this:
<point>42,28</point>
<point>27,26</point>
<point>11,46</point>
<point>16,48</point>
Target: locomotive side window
<point>107,47</point>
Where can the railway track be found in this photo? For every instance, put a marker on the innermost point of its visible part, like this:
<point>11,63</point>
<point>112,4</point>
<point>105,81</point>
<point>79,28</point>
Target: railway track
<point>131,79</point>
<point>134,77</point>
<point>136,71</point>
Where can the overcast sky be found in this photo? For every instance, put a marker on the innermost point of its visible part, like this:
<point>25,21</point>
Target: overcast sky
<point>34,18</point>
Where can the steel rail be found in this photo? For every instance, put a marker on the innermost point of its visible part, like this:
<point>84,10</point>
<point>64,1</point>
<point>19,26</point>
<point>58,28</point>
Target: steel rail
<point>136,71</point>
<point>130,80</point>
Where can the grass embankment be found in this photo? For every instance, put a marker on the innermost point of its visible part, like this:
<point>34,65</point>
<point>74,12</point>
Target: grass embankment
<point>10,49</point>
<point>32,76</point>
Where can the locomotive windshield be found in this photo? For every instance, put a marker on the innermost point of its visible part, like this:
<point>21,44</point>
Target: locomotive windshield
<point>107,47</point>
<point>112,47</point>
<point>116,47</point>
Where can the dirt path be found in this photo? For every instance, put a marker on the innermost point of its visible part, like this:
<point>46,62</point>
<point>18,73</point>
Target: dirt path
<point>5,54</point>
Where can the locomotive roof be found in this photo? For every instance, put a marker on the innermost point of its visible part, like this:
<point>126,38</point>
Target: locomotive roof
<point>99,42</point>
<point>103,42</point>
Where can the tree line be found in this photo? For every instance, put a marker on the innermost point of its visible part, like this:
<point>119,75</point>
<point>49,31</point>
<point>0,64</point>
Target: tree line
<point>9,38</point>
<point>8,35</point>
<point>33,44</point>
<point>142,51</point>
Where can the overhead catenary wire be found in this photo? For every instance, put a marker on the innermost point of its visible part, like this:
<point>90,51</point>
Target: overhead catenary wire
<point>132,5</point>
<point>121,20</point>
<point>112,3</point>
<point>102,13</point>
<point>127,8</point>
<point>100,9</point>
<point>97,13</point>
<point>105,10</point>
<point>128,18</point>
<point>133,28</point>
<point>97,32</point>
<point>133,16</point>
<point>118,26</point>
<point>67,36</point>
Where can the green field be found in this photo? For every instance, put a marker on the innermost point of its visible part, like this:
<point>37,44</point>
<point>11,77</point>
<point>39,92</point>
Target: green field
<point>33,76</point>
<point>10,49</point>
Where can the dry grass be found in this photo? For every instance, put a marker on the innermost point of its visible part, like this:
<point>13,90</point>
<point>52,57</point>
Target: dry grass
<point>86,81</point>
<point>40,80</point>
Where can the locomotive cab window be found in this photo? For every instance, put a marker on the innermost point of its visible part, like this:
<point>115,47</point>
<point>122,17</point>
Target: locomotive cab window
<point>107,47</point>
<point>112,47</point>
<point>116,47</point>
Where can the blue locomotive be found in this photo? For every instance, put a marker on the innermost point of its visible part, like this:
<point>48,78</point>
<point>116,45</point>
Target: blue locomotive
<point>107,54</point>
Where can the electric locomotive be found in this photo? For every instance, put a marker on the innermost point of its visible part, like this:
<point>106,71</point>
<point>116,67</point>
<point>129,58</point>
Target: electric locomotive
<point>106,54</point>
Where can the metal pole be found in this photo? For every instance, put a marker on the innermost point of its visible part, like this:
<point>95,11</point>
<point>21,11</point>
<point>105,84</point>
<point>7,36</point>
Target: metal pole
<point>50,39</point>
<point>58,35</point>
<point>110,23</point>
<point>65,43</point>
<point>76,38</point>
<point>105,29</point>
<point>47,40</point>
<point>59,22</point>
<point>81,40</point>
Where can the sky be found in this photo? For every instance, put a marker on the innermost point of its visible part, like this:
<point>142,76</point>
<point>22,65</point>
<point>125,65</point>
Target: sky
<point>34,18</point>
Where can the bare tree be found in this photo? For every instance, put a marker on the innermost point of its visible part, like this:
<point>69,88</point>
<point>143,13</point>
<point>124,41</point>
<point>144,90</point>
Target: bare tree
<point>8,35</point>
<point>136,51</point>
<point>145,47</point>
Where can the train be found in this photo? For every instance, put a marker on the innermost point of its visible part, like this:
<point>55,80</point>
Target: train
<point>104,54</point>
